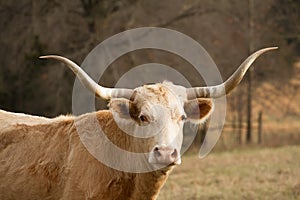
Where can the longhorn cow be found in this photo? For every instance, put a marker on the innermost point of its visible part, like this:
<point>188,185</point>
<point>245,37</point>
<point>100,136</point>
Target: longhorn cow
<point>43,158</point>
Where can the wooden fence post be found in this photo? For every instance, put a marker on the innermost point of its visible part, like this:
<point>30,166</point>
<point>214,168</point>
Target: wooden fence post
<point>259,129</point>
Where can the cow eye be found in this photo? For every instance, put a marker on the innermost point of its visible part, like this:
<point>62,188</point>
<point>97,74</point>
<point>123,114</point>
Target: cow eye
<point>143,118</point>
<point>183,117</point>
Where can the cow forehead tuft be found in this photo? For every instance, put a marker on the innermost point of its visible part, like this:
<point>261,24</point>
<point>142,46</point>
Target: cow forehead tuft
<point>158,93</point>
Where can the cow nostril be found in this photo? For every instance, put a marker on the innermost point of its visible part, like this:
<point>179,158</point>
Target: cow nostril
<point>156,152</point>
<point>174,154</point>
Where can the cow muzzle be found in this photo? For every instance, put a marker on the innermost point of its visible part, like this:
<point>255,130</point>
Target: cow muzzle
<point>164,155</point>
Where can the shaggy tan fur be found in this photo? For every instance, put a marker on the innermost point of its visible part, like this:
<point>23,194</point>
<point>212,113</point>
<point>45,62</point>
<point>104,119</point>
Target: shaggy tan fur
<point>44,158</point>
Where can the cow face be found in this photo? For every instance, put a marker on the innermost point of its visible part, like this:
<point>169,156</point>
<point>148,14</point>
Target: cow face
<point>159,112</point>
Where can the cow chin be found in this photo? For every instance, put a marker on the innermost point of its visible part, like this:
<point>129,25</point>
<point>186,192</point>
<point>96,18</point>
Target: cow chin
<point>164,166</point>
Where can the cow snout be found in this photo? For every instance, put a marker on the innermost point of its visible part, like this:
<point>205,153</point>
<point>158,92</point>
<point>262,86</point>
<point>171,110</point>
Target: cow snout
<point>166,155</point>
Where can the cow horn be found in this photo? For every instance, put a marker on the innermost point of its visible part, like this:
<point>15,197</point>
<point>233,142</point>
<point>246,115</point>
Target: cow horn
<point>102,92</point>
<point>230,83</point>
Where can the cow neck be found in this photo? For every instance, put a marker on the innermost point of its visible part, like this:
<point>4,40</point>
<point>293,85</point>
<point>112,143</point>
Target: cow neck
<point>148,185</point>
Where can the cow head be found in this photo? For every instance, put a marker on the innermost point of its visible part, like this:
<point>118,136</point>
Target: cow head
<point>159,111</point>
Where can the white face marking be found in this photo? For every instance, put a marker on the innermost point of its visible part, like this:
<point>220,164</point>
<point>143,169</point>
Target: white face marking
<point>163,104</point>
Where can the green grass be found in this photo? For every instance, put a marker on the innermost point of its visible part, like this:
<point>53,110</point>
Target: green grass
<point>268,173</point>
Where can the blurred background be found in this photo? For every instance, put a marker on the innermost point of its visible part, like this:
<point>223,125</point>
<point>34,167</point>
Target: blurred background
<point>262,113</point>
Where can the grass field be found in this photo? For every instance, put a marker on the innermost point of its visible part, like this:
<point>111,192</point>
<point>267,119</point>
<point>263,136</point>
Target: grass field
<point>259,173</point>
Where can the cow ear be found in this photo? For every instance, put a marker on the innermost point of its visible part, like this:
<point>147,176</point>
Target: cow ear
<point>124,108</point>
<point>198,110</point>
